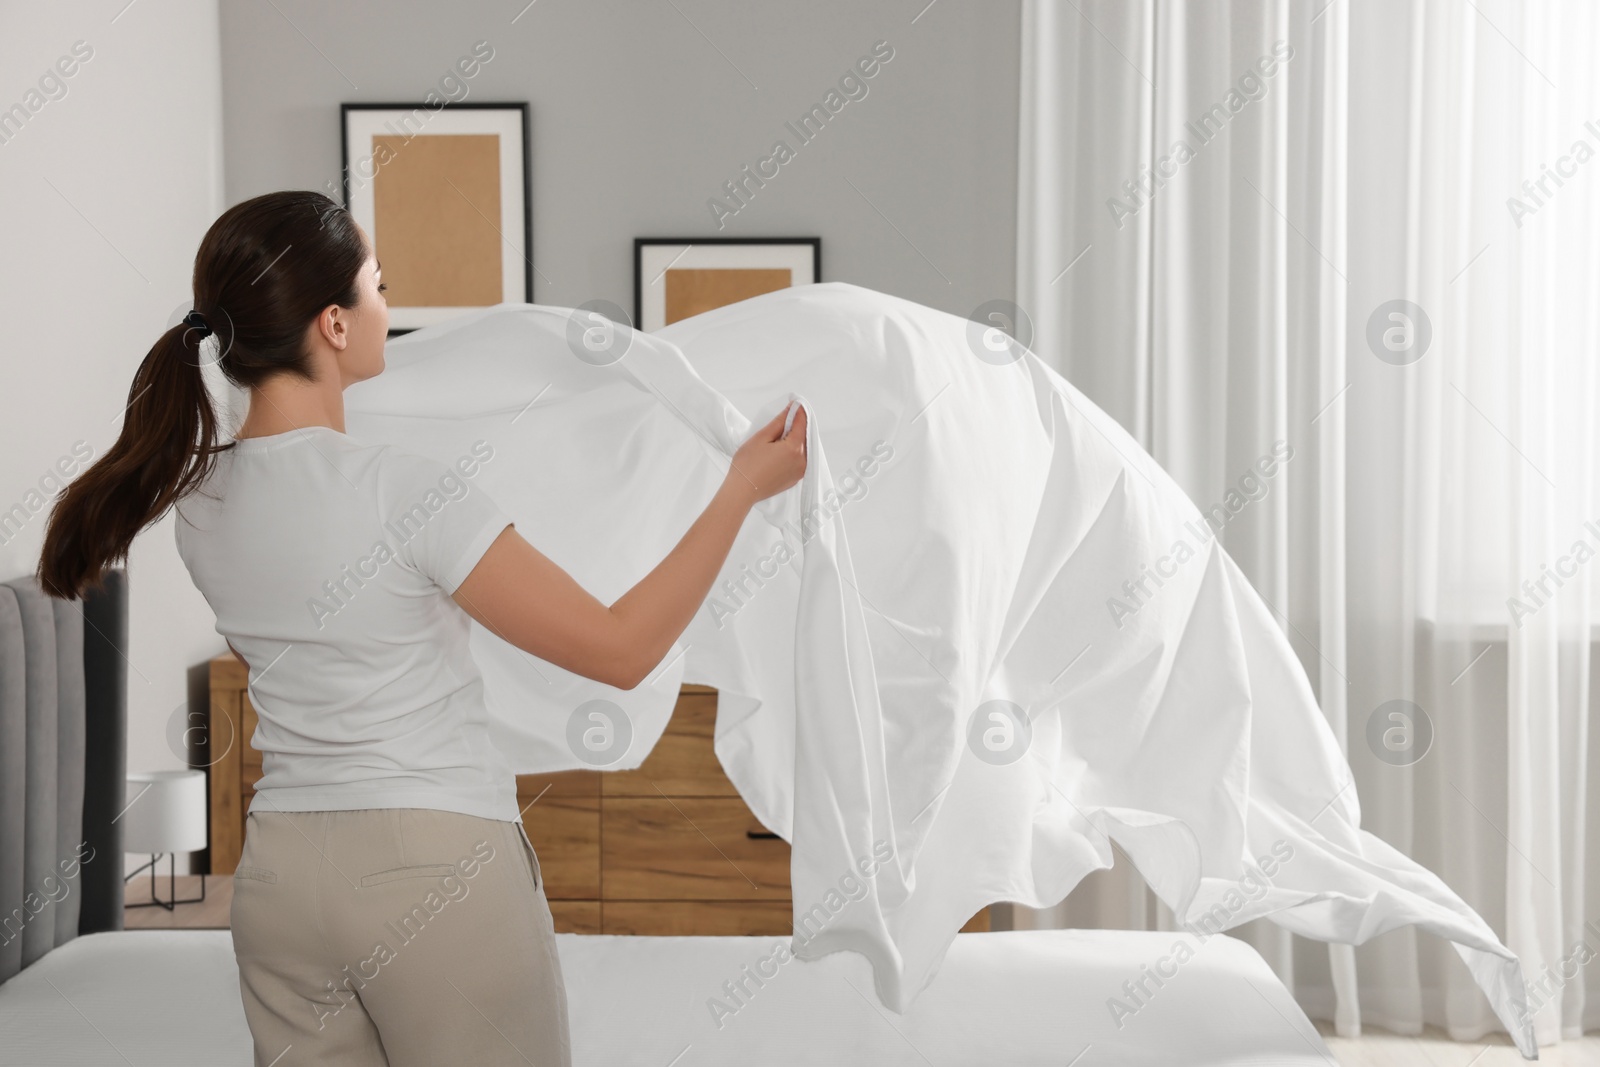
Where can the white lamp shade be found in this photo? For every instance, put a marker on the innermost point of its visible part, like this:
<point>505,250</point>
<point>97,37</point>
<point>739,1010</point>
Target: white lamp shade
<point>165,812</point>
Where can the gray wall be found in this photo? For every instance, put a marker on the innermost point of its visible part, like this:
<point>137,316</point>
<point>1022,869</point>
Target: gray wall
<point>638,120</point>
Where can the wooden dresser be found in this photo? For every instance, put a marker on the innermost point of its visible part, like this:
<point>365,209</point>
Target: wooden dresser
<point>669,848</point>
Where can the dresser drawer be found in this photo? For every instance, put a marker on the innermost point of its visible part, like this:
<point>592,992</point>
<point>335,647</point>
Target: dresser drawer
<point>560,784</point>
<point>565,832</point>
<point>682,764</point>
<point>576,916</point>
<point>249,755</point>
<point>689,848</point>
<point>680,918</point>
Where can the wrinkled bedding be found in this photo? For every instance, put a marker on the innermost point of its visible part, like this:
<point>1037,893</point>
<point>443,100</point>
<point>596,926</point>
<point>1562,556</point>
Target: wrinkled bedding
<point>984,638</point>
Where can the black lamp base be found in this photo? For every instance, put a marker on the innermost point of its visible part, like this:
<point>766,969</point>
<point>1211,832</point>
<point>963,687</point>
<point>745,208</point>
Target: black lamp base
<point>172,900</point>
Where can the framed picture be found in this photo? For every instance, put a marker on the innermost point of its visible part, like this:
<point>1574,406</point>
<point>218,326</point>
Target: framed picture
<point>445,194</point>
<point>675,277</point>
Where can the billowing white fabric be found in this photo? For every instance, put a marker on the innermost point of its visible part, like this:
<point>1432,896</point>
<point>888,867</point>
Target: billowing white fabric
<point>975,563</point>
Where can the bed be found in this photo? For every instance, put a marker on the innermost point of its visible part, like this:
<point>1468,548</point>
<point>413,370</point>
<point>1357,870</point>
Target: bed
<point>84,991</point>
<point>1024,997</point>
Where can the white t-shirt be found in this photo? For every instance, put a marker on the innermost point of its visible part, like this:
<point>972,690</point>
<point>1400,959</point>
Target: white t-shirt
<point>330,564</point>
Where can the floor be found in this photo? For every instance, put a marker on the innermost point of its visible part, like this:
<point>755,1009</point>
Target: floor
<point>212,914</point>
<point>1375,1048</point>
<point>1378,1048</point>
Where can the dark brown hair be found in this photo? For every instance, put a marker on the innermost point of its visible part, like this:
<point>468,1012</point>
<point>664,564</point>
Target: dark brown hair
<point>265,270</point>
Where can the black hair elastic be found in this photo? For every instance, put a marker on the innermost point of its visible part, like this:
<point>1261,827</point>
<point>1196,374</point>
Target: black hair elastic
<point>197,322</point>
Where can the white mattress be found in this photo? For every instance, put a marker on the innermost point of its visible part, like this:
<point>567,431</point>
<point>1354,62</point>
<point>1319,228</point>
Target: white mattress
<point>1028,997</point>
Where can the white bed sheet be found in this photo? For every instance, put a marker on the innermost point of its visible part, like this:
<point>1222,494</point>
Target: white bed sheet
<point>975,568</point>
<point>1018,998</point>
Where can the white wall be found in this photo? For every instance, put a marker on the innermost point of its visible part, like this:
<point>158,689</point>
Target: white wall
<point>105,193</point>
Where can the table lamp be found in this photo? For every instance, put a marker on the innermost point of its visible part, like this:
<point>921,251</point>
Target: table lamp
<point>165,814</point>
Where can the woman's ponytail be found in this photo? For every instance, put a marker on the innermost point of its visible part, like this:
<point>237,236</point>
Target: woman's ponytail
<point>265,270</point>
<point>167,446</point>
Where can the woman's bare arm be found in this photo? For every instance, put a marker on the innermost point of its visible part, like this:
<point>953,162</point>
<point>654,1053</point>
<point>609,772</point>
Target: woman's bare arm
<point>521,595</point>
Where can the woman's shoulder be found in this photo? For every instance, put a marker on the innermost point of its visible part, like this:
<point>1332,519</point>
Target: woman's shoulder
<point>416,468</point>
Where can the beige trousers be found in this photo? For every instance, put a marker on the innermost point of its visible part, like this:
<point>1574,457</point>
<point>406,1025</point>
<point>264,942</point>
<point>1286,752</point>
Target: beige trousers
<point>398,937</point>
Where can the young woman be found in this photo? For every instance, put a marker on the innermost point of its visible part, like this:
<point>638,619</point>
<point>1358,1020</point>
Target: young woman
<point>388,907</point>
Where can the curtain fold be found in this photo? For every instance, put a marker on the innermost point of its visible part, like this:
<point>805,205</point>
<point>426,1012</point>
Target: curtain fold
<point>1372,232</point>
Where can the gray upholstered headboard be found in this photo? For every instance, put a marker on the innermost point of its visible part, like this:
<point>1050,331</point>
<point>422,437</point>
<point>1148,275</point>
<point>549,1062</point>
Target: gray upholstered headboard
<point>63,758</point>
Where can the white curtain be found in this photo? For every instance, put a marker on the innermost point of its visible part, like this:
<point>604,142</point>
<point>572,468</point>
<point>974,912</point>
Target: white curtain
<point>1379,242</point>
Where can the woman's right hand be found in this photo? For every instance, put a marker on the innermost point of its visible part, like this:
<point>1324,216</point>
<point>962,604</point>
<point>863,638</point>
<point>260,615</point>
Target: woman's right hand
<point>522,596</point>
<point>769,462</point>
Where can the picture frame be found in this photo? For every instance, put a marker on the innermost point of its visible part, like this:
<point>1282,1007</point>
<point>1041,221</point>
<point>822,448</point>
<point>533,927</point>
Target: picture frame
<point>446,194</point>
<point>675,277</point>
